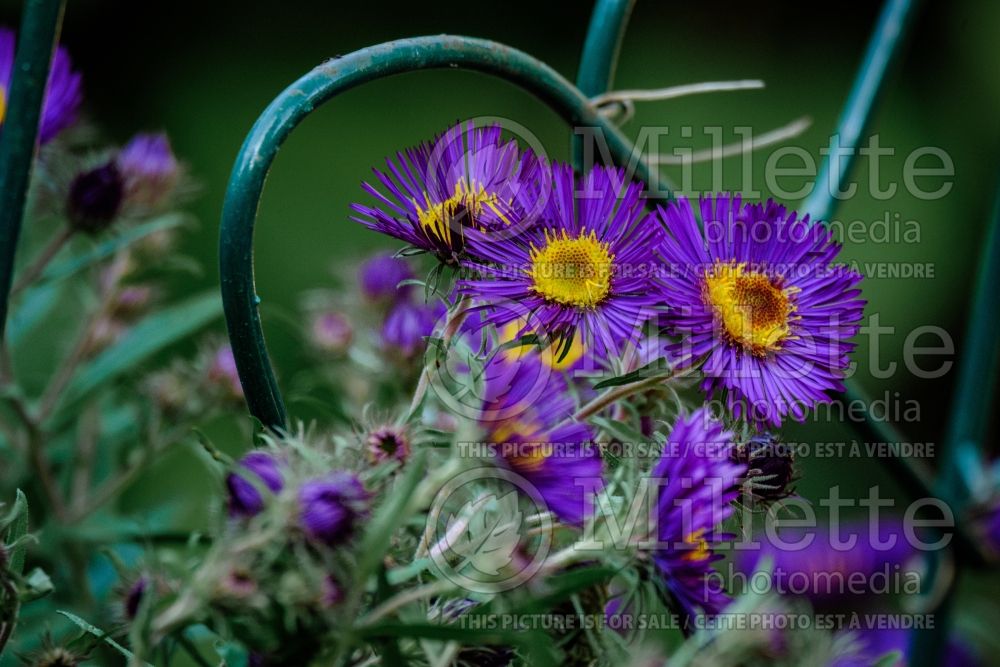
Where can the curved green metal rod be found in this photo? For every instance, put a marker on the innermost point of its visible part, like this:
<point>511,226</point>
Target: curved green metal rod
<point>857,113</point>
<point>822,204</point>
<point>599,59</point>
<point>35,45</point>
<point>603,43</point>
<point>239,297</point>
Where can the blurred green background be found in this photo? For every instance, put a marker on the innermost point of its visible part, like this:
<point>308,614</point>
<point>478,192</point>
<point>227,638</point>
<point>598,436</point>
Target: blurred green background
<point>203,71</point>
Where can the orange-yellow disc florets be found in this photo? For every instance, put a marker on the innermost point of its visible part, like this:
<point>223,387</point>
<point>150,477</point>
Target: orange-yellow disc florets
<point>754,311</point>
<point>572,270</point>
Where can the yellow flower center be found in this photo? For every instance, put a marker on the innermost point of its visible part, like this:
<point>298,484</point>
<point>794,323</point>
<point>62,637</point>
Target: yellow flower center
<point>550,355</point>
<point>462,209</point>
<point>515,439</point>
<point>530,457</point>
<point>3,103</point>
<point>701,550</point>
<point>754,312</point>
<point>573,271</point>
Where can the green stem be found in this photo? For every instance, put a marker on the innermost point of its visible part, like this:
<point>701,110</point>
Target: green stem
<point>618,393</point>
<point>35,45</point>
<point>32,272</point>
<point>239,297</point>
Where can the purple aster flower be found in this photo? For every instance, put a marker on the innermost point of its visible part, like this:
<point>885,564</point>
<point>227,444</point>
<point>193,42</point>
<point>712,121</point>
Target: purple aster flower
<point>150,170</point>
<point>697,482</point>
<point>446,195</point>
<point>834,565</point>
<point>245,497</point>
<point>408,324</point>
<point>95,198</point>
<point>589,265</point>
<point>331,332</point>
<point>332,506</point>
<point>62,97</point>
<point>527,413</point>
<point>755,296</point>
<point>380,276</point>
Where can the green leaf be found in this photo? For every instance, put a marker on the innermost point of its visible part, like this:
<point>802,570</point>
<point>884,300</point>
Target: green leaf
<point>30,312</point>
<point>390,516</point>
<point>646,371</point>
<point>18,529</point>
<point>537,646</point>
<point>36,585</point>
<point>101,635</point>
<point>889,659</point>
<point>150,336</point>
<point>67,267</point>
<point>619,430</point>
<point>563,586</point>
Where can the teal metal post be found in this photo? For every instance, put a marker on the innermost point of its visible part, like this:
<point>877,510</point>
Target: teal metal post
<point>35,46</point>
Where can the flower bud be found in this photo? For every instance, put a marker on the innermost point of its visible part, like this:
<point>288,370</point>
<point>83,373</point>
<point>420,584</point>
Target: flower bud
<point>222,373</point>
<point>130,302</point>
<point>149,169</point>
<point>770,467</point>
<point>55,656</point>
<point>387,443</point>
<point>134,595</point>
<point>95,198</point>
<point>331,507</point>
<point>244,497</point>
<point>331,333</point>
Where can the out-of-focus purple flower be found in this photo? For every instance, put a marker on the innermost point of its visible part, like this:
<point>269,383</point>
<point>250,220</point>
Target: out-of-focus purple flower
<point>222,372</point>
<point>526,413</point>
<point>245,498</point>
<point>388,443</point>
<point>333,594</point>
<point>149,169</point>
<point>331,507</point>
<point>830,566</point>
<point>380,276</point>
<point>134,595</point>
<point>95,198</point>
<point>63,93</point>
<point>331,332</point>
<point>408,324</point>
<point>698,483</point>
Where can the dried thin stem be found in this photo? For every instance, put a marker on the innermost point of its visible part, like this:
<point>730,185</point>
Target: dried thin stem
<point>776,136</point>
<point>673,92</point>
